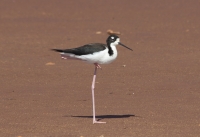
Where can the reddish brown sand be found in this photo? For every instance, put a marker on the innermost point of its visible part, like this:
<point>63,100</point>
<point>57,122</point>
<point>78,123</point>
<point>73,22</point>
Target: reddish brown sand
<point>156,93</point>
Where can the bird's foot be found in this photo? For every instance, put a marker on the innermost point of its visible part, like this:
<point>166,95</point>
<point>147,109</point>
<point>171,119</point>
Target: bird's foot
<point>97,65</point>
<point>100,122</point>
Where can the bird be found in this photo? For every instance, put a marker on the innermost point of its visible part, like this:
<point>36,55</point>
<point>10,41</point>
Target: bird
<point>97,54</point>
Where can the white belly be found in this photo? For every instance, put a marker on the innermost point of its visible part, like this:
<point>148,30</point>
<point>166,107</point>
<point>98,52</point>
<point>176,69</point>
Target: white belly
<point>101,57</point>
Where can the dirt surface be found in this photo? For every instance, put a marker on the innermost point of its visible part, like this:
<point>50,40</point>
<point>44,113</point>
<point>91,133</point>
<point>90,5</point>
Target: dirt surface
<point>156,93</point>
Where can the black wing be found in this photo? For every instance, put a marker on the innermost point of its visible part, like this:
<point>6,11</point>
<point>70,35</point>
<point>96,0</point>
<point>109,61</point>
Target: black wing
<point>84,50</point>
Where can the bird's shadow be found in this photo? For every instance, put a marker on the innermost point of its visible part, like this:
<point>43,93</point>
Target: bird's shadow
<point>100,117</point>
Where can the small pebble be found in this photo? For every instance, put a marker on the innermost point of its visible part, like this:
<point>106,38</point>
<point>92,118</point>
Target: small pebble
<point>110,32</point>
<point>98,32</point>
<point>50,64</point>
<point>187,30</point>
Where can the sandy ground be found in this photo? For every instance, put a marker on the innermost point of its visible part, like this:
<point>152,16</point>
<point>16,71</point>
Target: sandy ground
<point>156,94</point>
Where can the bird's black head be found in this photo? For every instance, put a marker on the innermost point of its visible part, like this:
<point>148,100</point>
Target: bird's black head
<point>115,40</point>
<point>112,39</point>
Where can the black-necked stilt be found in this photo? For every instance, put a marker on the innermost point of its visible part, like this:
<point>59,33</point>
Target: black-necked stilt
<point>95,53</point>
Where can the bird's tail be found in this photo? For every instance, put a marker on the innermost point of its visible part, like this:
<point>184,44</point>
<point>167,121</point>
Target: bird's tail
<point>57,50</point>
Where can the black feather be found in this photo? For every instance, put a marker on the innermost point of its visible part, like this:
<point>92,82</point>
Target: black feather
<point>84,50</point>
<point>57,50</point>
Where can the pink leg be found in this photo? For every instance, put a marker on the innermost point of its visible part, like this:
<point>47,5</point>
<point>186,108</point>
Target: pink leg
<point>93,102</point>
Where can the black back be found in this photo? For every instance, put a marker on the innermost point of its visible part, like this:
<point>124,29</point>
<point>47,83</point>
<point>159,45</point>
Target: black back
<point>84,50</point>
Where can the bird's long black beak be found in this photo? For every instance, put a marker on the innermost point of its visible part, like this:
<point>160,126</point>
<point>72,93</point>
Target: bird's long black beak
<point>124,46</point>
